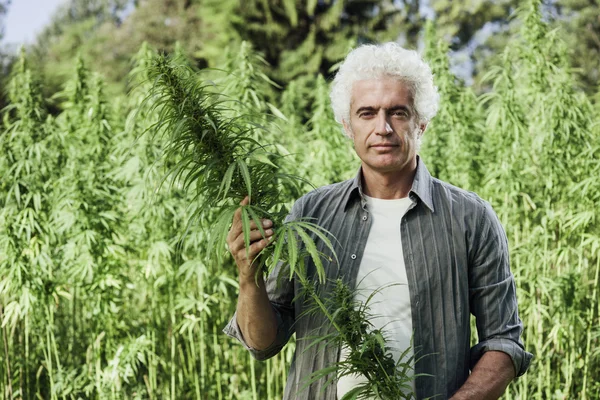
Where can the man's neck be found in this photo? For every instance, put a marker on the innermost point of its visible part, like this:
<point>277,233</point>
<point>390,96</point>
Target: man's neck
<point>388,185</point>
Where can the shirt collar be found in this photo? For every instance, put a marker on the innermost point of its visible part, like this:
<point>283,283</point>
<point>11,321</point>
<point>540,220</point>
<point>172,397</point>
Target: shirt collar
<point>422,184</point>
<point>421,187</point>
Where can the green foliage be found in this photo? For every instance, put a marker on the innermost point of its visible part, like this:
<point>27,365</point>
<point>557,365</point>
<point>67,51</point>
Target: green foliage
<point>367,352</point>
<point>219,159</point>
<point>543,141</point>
<point>306,38</point>
<point>461,22</point>
<point>109,283</point>
<point>27,264</point>
<point>452,140</point>
<point>3,8</point>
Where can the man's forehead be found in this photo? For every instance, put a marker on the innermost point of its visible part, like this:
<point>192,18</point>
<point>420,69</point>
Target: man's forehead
<point>382,89</point>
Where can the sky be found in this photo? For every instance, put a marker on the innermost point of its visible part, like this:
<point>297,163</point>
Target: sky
<point>26,18</point>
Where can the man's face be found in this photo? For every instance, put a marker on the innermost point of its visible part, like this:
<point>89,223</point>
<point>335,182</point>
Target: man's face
<point>383,125</point>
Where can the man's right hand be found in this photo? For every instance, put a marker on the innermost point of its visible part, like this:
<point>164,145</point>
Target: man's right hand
<point>245,258</point>
<point>255,315</point>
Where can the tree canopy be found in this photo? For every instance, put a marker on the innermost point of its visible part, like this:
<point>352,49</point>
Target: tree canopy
<point>297,38</point>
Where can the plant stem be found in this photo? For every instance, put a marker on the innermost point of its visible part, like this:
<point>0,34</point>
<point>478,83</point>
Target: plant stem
<point>253,377</point>
<point>172,331</point>
<point>590,321</point>
<point>6,355</point>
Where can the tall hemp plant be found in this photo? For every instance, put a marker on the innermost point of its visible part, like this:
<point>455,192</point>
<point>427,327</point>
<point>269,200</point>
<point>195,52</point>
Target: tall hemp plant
<point>194,296</point>
<point>219,159</point>
<point>28,285</point>
<point>328,155</point>
<point>543,159</point>
<point>89,217</point>
<point>248,91</point>
<point>450,144</point>
<point>158,221</point>
<point>216,147</point>
<point>199,292</point>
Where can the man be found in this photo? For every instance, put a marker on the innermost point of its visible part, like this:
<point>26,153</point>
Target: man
<point>443,247</point>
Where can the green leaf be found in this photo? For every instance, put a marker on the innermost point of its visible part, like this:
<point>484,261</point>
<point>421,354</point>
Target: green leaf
<point>314,253</point>
<point>17,192</point>
<point>277,113</point>
<point>379,338</point>
<point>321,234</point>
<point>292,250</point>
<point>279,238</point>
<point>291,12</point>
<point>263,158</point>
<point>354,393</point>
<point>246,227</point>
<point>256,219</point>
<point>310,7</point>
<point>246,176</point>
<point>226,182</point>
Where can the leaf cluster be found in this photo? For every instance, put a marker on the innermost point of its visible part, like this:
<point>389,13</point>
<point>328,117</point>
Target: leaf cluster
<point>367,352</point>
<point>218,157</point>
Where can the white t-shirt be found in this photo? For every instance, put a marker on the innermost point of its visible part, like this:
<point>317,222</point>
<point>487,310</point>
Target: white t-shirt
<point>382,268</point>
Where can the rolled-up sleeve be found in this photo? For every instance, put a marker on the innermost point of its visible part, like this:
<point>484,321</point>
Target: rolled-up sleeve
<point>284,314</point>
<point>492,295</point>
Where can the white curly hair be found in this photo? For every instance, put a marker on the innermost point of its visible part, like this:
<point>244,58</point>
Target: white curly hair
<point>385,60</point>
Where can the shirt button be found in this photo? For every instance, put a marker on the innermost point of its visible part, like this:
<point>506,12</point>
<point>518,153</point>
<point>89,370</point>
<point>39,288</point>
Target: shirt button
<point>353,256</point>
<point>364,217</point>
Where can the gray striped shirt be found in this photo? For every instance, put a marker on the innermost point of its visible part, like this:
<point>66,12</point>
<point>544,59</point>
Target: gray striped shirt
<point>456,257</point>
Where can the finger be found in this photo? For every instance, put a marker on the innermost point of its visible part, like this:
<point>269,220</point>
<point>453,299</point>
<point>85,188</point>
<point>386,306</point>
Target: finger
<point>238,212</point>
<point>264,224</point>
<point>255,248</point>
<point>236,225</point>
<point>238,229</point>
<point>237,241</point>
<point>257,235</point>
<point>240,243</point>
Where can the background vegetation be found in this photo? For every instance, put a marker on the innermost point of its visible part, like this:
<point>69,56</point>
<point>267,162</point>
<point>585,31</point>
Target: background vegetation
<point>106,290</point>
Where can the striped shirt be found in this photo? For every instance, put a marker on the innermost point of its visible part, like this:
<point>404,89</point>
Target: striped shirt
<point>456,258</point>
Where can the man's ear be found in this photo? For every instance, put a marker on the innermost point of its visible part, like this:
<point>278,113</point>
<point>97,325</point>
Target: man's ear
<point>422,128</point>
<point>347,129</point>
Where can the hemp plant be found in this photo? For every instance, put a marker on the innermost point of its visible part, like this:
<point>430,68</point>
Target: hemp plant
<point>29,162</point>
<point>368,353</point>
<point>218,158</point>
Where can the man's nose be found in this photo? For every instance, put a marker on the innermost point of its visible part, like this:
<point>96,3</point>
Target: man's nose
<point>383,126</point>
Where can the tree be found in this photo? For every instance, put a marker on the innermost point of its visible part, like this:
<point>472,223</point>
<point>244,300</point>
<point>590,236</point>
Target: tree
<point>300,38</point>
<point>107,33</point>
<point>580,23</point>
<point>3,9</point>
<point>482,30</point>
